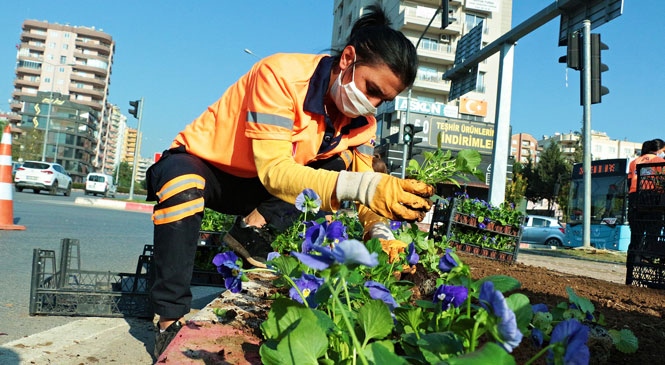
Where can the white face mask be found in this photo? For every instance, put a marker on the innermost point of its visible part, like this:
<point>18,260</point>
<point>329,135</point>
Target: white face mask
<point>661,154</point>
<point>349,100</point>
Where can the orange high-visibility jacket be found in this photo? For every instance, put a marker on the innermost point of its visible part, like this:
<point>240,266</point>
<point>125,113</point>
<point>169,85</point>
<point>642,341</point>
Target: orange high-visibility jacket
<point>272,122</point>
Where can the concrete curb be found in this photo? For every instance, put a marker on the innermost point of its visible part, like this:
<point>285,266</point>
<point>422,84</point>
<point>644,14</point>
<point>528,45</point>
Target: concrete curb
<point>114,204</point>
<point>233,339</point>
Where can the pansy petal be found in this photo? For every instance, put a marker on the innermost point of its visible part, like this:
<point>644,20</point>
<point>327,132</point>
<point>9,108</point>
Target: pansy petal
<point>354,252</point>
<point>316,262</point>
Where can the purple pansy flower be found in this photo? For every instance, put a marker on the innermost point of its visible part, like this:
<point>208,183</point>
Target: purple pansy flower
<point>494,302</point>
<point>450,295</point>
<point>447,262</point>
<point>395,225</point>
<point>314,236</point>
<point>231,272</point>
<point>308,201</point>
<point>573,336</point>
<point>345,252</point>
<point>380,292</point>
<point>336,231</point>
<point>537,337</point>
<point>412,257</point>
<point>535,308</point>
<point>308,285</point>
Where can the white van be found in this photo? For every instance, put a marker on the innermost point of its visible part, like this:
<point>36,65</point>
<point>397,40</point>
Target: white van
<point>100,184</point>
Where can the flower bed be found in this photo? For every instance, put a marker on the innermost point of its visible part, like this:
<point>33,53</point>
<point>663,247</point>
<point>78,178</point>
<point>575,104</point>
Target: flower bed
<point>347,304</point>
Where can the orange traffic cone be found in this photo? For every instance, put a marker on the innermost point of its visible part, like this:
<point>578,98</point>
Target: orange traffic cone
<point>6,187</point>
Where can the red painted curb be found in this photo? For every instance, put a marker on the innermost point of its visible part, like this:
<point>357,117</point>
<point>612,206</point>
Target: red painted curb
<point>212,343</point>
<point>139,207</point>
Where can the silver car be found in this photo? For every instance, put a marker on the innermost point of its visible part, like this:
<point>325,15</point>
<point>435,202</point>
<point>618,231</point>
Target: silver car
<point>38,176</point>
<point>542,230</point>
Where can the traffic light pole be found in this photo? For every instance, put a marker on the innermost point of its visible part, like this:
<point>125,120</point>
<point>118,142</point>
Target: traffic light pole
<point>586,98</point>
<point>136,149</point>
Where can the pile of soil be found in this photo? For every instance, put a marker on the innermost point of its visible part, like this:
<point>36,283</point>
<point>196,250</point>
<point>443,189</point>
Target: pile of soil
<point>638,309</point>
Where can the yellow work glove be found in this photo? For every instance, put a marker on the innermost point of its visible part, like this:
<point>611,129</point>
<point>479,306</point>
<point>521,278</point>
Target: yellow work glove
<point>388,196</point>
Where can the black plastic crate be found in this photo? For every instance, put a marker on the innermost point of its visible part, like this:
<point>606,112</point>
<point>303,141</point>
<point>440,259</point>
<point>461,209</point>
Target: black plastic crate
<point>68,290</point>
<point>645,269</point>
<point>651,186</point>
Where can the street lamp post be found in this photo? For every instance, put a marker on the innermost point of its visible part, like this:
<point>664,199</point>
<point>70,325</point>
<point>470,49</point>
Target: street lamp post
<point>48,115</point>
<point>249,51</point>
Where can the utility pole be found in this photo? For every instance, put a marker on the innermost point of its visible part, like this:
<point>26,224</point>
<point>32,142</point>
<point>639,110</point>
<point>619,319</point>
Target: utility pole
<point>137,112</point>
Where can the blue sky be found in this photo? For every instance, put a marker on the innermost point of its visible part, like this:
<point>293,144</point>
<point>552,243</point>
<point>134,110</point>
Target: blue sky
<point>181,56</point>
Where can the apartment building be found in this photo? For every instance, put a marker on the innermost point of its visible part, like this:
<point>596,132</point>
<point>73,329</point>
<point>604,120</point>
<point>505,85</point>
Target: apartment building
<point>523,147</point>
<point>463,123</point>
<point>602,146</point>
<point>60,96</point>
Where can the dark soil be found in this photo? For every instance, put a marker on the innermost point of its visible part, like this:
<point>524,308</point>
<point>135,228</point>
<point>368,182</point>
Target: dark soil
<point>641,310</point>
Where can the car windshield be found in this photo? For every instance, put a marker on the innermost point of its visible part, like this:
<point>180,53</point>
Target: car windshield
<point>35,165</point>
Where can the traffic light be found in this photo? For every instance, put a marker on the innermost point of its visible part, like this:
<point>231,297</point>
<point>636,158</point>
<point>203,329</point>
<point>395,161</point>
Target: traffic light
<point>597,68</point>
<point>410,138</point>
<point>572,59</point>
<point>446,14</point>
<point>135,108</point>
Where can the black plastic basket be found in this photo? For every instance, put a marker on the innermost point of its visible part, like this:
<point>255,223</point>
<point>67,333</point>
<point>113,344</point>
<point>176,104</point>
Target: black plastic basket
<point>70,291</point>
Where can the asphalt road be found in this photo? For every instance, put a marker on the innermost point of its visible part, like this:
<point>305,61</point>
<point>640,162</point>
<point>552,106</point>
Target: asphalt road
<point>110,240</point>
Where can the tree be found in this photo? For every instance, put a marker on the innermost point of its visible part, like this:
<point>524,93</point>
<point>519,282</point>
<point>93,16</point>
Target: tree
<point>552,168</point>
<point>125,175</point>
<point>517,188</point>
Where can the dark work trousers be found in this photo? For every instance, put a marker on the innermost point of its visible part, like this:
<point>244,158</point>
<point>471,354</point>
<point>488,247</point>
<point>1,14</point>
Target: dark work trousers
<point>175,243</point>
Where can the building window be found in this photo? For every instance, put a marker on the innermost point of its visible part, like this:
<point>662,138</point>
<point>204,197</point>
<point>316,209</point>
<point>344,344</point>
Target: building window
<point>51,45</point>
<point>480,82</point>
<point>47,80</point>
<point>429,44</point>
<point>472,20</point>
<point>427,74</point>
<point>63,60</point>
<point>66,35</point>
<point>65,46</point>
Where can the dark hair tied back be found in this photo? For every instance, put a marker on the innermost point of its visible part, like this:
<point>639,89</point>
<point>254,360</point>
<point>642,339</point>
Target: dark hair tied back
<point>377,43</point>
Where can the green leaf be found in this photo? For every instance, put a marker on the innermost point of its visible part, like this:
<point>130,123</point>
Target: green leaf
<point>304,344</point>
<point>502,283</point>
<point>624,340</point>
<point>410,317</point>
<point>521,305</point>
<point>439,346</point>
<point>383,352</point>
<point>582,303</point>
<point>285,315</point>
<point>286,265</point>
<point>269,353</point>
<point>490,353</point>
<point>375,320</point>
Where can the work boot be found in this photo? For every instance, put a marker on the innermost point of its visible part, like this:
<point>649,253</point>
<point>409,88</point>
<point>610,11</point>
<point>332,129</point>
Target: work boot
<point>252,244</point>
<point>164,338</point>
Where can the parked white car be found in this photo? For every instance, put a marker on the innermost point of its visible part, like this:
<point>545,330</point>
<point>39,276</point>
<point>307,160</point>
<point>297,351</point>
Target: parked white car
<point>38,176</point>
<point>542,230</point>
<point>96,183</point>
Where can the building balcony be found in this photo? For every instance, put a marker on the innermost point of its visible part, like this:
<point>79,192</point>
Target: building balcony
<point>415,19</point>
<point>96,94</point>
<point>27,36</point>
<point>94,69</point>
<point>96,81</point>
<point>102,48</point>
<point>27,71</point>
<point>431,84</point>
<point>436,53</point>
<point>25,82</point>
